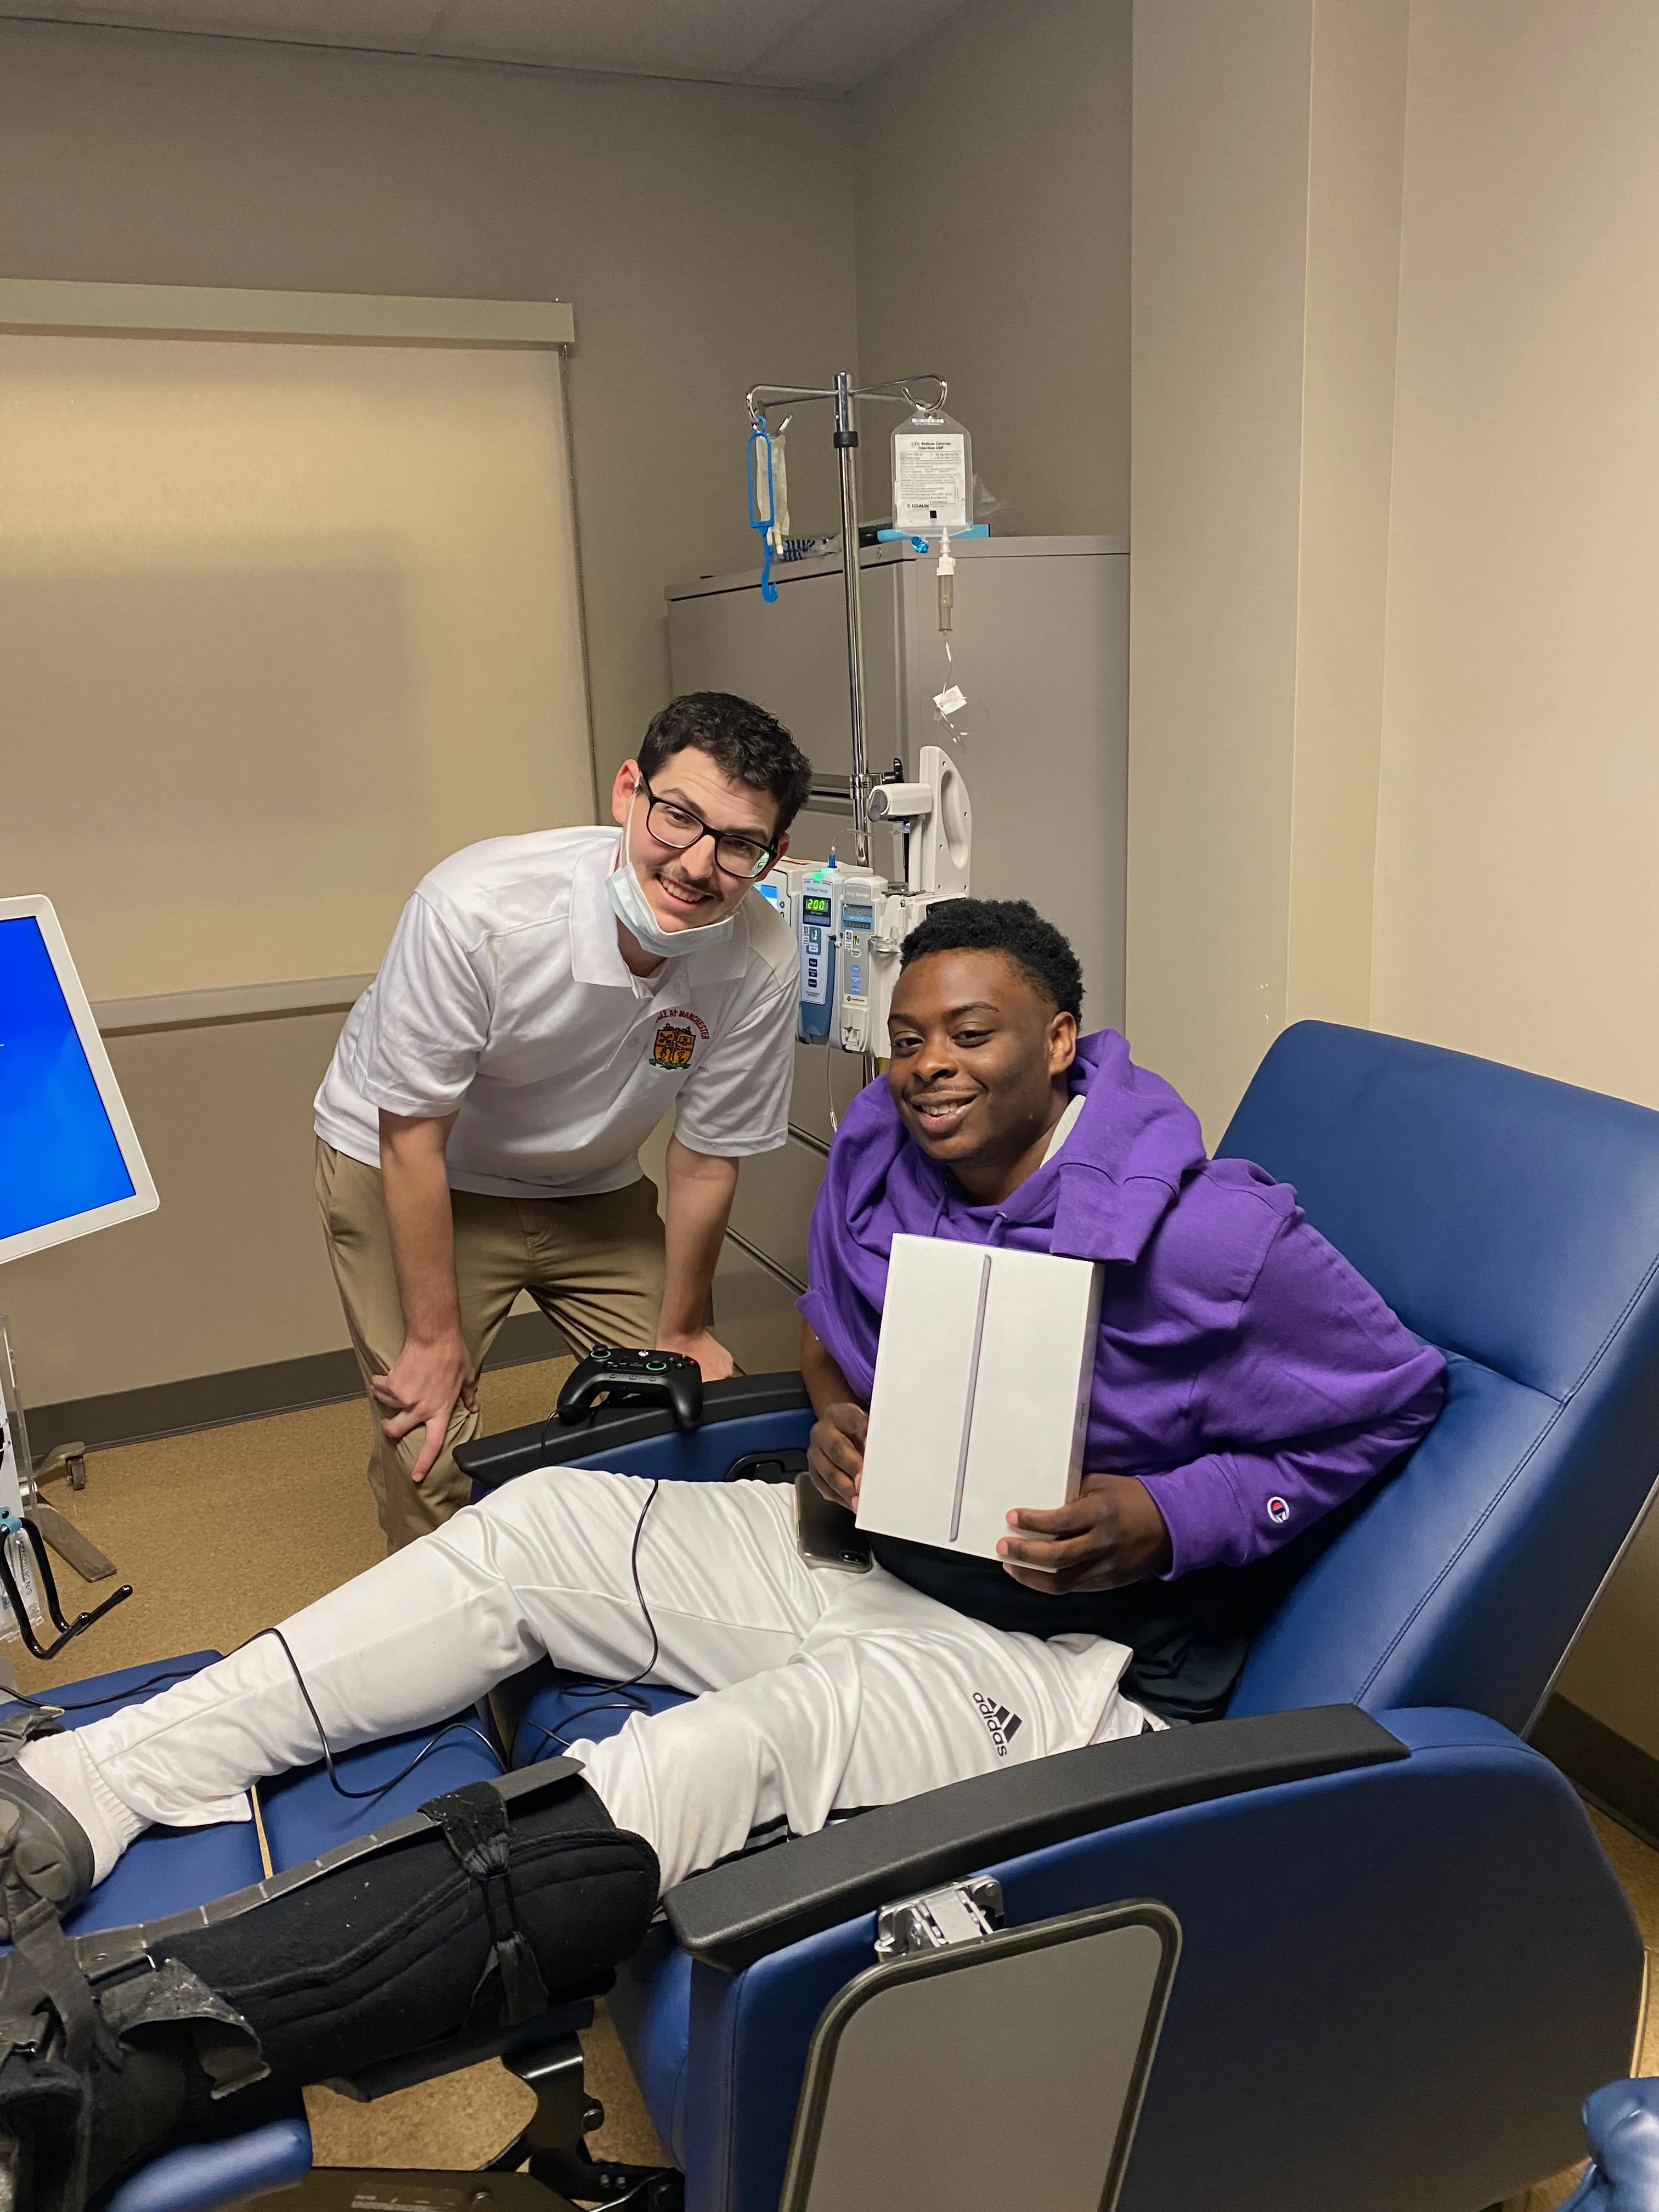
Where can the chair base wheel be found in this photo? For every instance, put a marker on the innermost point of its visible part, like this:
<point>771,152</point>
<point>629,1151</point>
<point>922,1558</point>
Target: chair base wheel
<point>555,2142</point>
<point>607,2182</point>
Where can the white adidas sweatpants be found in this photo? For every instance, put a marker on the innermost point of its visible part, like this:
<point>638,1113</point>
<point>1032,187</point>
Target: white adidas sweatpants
<point>818,1690</point>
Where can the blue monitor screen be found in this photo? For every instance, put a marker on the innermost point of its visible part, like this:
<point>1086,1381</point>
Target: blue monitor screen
<point>58,1155</point>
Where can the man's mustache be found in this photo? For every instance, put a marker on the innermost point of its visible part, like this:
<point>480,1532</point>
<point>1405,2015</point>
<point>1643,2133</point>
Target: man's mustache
<point>686,883</point>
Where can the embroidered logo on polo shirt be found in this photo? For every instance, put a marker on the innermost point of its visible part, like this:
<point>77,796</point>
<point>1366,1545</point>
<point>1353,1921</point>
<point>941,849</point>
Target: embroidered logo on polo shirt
<point>677,1033</point>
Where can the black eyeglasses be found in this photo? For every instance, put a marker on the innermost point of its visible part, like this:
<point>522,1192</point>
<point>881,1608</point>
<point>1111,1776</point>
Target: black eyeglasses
<point>676,826</point>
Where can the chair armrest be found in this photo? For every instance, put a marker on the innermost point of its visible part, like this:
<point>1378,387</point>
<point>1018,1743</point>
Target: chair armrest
<point>492,1460</point>
<point>734,1914</point>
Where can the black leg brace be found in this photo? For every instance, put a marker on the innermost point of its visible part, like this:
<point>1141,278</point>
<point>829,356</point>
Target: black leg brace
<point>473,1914</point>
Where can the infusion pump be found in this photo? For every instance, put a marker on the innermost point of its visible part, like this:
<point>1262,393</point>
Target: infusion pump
<point>850,923</point>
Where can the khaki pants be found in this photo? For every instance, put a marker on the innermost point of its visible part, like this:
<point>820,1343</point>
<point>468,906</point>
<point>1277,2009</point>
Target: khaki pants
<point>594,1266</point>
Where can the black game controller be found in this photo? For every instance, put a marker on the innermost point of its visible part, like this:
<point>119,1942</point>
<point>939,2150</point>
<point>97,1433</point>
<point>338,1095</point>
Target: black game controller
<point>641,1378</point>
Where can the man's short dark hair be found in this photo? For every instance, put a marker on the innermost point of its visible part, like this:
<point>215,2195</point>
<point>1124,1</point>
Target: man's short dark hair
<point>742,740</point>
<point>1013,926</point>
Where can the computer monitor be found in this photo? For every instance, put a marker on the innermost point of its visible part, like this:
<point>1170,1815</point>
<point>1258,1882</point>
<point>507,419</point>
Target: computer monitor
<point>69,1157</point>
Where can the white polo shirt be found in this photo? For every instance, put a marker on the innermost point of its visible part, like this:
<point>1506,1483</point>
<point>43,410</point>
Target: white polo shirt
<point>504,994</point>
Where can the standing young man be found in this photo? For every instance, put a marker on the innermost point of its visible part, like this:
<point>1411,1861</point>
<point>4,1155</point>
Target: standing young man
<point>544,1001</point>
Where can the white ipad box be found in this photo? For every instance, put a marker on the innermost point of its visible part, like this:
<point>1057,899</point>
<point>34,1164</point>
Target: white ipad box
<point>981,1402</point>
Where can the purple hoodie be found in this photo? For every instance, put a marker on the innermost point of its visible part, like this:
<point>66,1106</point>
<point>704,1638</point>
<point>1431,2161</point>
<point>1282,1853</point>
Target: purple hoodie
<point>1243,1371</point>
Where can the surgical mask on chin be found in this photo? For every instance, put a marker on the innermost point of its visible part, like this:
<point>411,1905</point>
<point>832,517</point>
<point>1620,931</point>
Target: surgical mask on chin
<point>632,908</point>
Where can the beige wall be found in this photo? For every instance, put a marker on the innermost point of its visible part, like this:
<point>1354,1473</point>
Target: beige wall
<point>230,1271</point>
<point>1267,212</point>
<point>1220,250</point>
<point>705,238</point>
<point>993,193</point>
<point>1395,462</point>
<point>1396,455</point>
<point>1356,158</point>
<point>702,234</point>
<point>1519,798</point>
<point>249,595</point>
<point>1519,814</point>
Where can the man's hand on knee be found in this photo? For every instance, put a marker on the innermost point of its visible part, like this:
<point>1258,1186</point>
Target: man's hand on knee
<point>834,1452</point>
<point>422,1388</point>
<point>1111,1534</point>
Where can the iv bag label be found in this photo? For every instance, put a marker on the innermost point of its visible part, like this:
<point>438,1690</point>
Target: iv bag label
<point>950,701</point>
<point>930,480</point>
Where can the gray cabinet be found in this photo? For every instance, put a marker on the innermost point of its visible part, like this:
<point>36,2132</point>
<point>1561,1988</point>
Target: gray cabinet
<point>1040,644</point>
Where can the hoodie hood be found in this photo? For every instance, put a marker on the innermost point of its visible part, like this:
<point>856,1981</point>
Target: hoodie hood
<point>1101,1197</point>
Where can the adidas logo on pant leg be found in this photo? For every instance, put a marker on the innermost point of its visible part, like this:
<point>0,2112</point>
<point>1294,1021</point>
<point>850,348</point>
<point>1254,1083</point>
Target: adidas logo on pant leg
<point>1003,1724</point>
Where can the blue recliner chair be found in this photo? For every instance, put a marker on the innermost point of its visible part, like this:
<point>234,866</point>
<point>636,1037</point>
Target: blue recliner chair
<point>1404,1960</point>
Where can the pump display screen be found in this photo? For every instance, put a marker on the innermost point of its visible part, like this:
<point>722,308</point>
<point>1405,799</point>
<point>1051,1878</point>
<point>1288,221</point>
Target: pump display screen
<point>817,906</point>
<point>59,1155</point>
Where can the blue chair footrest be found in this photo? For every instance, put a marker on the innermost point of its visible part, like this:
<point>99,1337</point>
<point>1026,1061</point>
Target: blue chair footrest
<point>201,2176</point>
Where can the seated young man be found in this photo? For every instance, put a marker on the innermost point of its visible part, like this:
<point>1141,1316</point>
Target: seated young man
<point>1247,1381</point>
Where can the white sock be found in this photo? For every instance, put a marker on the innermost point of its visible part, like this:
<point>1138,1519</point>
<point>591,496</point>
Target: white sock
<point>58,1764</point>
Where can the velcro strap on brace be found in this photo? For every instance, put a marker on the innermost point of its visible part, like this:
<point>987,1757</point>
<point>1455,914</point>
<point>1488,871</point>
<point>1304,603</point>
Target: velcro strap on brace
<point>227,2048</point>
<point>476,1826</point>
<point>39,1940</point>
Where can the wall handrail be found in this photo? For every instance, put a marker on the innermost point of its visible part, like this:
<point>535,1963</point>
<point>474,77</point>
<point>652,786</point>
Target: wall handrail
<point>241,1002</point>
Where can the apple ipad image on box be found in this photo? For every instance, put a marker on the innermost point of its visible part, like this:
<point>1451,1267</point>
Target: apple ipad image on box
<point>981,1402</point>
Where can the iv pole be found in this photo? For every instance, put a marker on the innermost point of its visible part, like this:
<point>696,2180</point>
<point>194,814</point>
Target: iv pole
<point>847,440</point>
<point>843,393</point>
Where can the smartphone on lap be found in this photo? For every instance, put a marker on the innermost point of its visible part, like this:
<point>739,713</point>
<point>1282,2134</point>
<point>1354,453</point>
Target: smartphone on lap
<point>826,1533</point>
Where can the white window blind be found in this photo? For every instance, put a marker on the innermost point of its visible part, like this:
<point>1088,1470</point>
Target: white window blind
<point>280,624</point>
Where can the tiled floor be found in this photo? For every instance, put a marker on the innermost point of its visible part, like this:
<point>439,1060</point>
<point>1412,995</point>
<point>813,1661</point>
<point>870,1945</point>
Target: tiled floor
<point>227,1530</point>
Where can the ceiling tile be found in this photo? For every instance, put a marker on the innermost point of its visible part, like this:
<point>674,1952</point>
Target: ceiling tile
<point>399,26</point>
<point>843,41</point>
<point>810,45</point>
<point>665,38</point>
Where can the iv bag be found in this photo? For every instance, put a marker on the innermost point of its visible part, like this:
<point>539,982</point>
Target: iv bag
<point>768,482</point>
<point>932,474</point>
<point>780,518</point>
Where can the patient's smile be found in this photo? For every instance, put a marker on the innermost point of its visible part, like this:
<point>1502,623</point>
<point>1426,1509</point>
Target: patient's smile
<point>939,1117</point>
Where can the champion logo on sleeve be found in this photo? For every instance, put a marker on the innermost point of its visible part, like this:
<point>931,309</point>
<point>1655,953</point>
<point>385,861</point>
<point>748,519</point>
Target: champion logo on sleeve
<point>1277,1511</point>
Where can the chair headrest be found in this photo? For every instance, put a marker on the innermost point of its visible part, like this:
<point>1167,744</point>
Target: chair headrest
<point>1502,1215</point>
